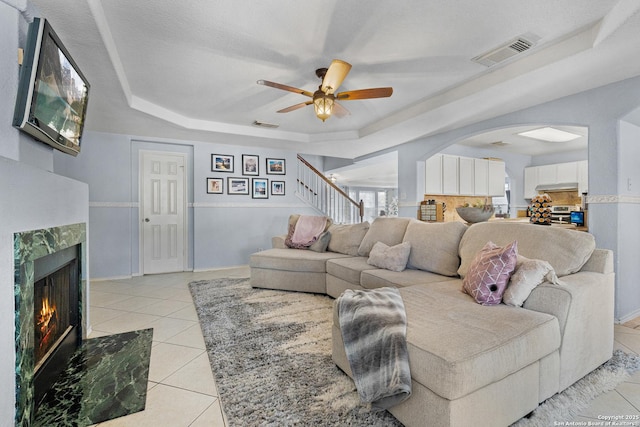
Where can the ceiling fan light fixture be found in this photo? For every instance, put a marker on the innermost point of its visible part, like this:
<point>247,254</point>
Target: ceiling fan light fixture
<point>323,105</point>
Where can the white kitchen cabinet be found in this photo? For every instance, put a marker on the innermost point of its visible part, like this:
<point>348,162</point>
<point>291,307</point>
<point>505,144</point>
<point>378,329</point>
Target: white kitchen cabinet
<point>567,172</point>
<point>530,182</point>
<point>496,178</point>
<point>547,174</point>
<point>450,174</point>
<point>466,176</point>
<point>559,173</point>
<point>481,177</point>
<point>583,176</point>
<point>433,175</point>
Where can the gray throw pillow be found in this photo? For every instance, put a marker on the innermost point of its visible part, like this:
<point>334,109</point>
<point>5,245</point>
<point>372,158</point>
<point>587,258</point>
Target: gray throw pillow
<point>322,243</point>
<point>392,258</point>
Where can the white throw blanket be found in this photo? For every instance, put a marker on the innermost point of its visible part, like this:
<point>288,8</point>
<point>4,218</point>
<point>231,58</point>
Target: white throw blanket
<point>308,228</point>
<point>374,327</point>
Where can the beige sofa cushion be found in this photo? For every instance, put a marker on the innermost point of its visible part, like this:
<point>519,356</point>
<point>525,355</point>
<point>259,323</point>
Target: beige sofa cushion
<point>388,230</point>
<point>292,260</point>
<point>566,250</point>
<point>348,268</point>
<point>346,239</point>
<point>457,346</point>
<point>378,278</point>
<point>434,246</point>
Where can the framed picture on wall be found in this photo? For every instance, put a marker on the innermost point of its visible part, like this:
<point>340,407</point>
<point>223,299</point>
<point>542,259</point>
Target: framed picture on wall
<point>260,188</point>
<point>277,188</point>
<point>221,163</point>
<point>214,185</point>
<point>237,185</point>
<point>250,165</point>
<point>276,167</point>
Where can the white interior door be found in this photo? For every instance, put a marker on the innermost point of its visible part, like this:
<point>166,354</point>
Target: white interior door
<point>162,177</point>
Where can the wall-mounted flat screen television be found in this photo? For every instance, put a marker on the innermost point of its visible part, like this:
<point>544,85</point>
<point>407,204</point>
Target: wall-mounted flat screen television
<point>52,94</point>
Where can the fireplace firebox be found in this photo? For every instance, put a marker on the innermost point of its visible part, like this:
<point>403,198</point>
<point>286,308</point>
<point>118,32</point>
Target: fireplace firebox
<point>56,304</point>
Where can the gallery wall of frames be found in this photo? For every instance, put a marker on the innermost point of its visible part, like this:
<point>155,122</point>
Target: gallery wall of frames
<point>247,176</point>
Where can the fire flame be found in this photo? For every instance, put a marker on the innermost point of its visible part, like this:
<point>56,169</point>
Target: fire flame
<point>47,312</point>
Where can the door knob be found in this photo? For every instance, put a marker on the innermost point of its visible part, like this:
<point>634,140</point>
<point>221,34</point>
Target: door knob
<point>146,220</point>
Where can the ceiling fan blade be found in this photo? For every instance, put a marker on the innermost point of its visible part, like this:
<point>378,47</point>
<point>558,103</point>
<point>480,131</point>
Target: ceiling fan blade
<point>379,92</point>
<point>336,73</point>
<point>295,107</point>
<point>285,87</point>
<point>339,111</point>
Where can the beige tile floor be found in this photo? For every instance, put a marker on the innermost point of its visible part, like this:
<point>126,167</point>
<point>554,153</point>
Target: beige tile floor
<point>181,390</point>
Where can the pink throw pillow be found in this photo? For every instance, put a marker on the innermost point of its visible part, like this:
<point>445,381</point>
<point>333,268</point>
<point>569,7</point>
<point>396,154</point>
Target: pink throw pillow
<point>489,273</point>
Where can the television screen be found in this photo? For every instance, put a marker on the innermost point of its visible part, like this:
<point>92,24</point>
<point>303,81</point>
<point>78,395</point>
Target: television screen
<point>53,93</point>
<point>577,218</point>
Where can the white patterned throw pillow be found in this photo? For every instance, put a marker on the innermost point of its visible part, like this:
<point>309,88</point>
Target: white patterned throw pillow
<point>528,274</point>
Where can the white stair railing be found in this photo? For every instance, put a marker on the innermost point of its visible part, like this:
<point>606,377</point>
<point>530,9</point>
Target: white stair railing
<point>318,191</point>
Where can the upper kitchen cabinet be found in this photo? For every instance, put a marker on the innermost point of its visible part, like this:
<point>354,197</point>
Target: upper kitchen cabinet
<point>450,174</point>
<point>433,175</point>
<point>466,176</point>
<point>547,174</point>
<point>567,172</point>
<point>454,175</point>
<point>559,173</point>
<point>481,177</point>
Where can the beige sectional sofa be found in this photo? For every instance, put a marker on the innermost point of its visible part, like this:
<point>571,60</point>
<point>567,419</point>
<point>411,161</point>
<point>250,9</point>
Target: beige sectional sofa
<point>470,364</point>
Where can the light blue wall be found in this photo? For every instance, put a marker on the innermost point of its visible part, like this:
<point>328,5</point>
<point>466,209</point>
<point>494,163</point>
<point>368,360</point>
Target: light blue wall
<point>223,230</point>
<point>600,110</point>
<point>31,197</point>
<point>628,292</point>
<point>569,156</point>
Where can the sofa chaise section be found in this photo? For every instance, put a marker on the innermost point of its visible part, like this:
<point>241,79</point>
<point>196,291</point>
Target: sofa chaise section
<point>291,269</point>
<point>466,358</point>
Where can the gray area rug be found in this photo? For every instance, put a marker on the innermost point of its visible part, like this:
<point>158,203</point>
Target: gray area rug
<point>270,354</point>
<point>565,406</point>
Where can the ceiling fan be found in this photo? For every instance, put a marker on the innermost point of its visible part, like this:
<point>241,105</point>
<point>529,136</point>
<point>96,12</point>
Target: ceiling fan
<point>324,99</point>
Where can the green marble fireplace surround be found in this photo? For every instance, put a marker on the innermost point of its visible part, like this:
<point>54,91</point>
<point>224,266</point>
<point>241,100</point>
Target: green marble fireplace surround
<point>28,247</point>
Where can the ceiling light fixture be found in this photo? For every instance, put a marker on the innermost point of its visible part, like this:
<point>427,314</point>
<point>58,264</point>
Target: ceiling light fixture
<point>323,105</point>
<point>550,134</point>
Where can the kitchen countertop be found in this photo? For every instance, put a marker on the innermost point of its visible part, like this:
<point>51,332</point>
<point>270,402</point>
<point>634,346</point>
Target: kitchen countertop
<point>525,219</point>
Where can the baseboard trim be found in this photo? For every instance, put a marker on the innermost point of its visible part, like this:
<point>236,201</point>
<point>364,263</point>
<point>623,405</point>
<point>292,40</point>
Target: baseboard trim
<point>106,279</point>
<point>628,317</point>
<point>204,270</point>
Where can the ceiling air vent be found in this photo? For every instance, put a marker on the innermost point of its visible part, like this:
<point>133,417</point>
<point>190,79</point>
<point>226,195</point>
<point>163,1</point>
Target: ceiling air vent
<point>506,51</point>
<point>264,124</point>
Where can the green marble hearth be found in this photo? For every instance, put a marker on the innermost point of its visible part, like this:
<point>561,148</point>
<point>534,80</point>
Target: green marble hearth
<point>106,378</point>
<point>30,246</point>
